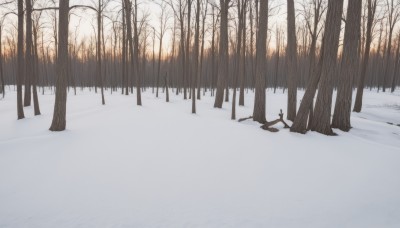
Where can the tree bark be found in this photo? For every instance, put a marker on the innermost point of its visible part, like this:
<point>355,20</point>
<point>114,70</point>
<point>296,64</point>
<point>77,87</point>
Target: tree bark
<point>223,54</point>
<point>322,112</point>
<point>291,58</point>
<point>136,50</point>
<point>20,53</point>
<point>28,54</point>
<point>196,56</point>
<point>59,115</point>
<point>1,66</point>
<point>259,100</point>
<point>349,67</point>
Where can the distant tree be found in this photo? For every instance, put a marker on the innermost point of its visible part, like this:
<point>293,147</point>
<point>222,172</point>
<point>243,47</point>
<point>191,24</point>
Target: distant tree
<point>163,27</point>
<point>2,88</point>
<point>396,64</point>
<point>196,56</point>
<point>241,7</point>
<point>372,5</point>
<point>393,16</point>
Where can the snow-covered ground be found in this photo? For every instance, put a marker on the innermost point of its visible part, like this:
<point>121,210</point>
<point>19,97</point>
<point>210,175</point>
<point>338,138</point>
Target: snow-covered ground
<point>158,165</point>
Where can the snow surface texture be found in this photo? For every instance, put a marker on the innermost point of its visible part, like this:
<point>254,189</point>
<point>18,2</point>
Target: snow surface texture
<point>121,165</point>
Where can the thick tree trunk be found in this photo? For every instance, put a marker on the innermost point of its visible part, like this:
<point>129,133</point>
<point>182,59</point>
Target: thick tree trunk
<point>223,54</point>
<point>259,100</point>
<point>60,106</point>
<point>322,112</point>
<point>305,110</point>
<point>291,58</point>
<point>349,67</point>
<point>20,50</point>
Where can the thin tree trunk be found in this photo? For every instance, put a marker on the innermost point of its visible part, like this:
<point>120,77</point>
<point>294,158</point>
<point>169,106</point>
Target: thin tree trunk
<point>138,81</point>
<point>35,72</point>
<point>396,65</point>
<point>1,66</point>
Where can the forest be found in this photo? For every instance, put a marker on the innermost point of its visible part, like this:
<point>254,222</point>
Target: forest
<point>326,49</point>
<point>172,113</point>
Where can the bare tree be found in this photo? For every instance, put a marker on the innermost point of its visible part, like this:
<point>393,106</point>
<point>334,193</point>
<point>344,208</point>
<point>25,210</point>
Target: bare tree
<point>322,111</point>
<point>60,105</point>
<point>239,64</point>
<point>259,100</point>
<point>196,56</point>
<point>2,88</point>
<point>20,50</point>
<point>136,57</point>
<point>163,28</point>
<point>223,54</point>
<point>393,12</point>
<point>396,64</point>
<point>349,66</point>
<point>372,5</point>
<point>291,56</point>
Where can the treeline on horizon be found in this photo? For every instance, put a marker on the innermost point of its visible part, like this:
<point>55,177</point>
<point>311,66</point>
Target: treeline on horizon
<point>325,47</point>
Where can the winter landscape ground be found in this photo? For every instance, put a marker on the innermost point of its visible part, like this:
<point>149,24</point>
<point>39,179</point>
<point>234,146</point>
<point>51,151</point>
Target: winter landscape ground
<point>158,165</point>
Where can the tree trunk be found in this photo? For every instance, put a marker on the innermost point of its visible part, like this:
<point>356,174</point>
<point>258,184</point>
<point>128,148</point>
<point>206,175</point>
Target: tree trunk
<point>238,57</point>
<point>259,100</point>
<point>166,88</point>
<point>349,67</point>
<point>128,13</point>
<point>322,112</point>
<point>243,59</point>
<point>28,54</point>
<point>136,50</point>
<point>20,50</point>
<point>305,110</point>
<point>396,65</point>
<point>223,54</point>
<point>291,58</point>
<point>60,106</point>
<point>1,66</point>
<point>196,56</point>
<point>388,58</point>
<point>35,72</point>
<point>99,53</point>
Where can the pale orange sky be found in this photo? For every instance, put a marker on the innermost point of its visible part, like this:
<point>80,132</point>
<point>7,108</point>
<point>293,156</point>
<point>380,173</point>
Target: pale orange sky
<point>87,20</point>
